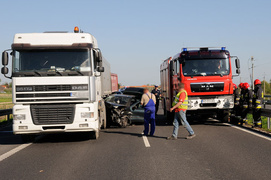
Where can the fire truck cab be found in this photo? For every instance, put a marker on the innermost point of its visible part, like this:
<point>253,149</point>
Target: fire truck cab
<point>207,75</point>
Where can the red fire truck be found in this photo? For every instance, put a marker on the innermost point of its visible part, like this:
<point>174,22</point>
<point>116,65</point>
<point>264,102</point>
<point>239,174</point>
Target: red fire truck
<point>207,75</point>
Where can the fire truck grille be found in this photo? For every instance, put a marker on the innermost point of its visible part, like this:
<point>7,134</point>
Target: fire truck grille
<point>52,114</point>
<point>207,87</point>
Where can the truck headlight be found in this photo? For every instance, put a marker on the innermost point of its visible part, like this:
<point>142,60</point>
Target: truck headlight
<point>19,117</point>
<point>87,114</point>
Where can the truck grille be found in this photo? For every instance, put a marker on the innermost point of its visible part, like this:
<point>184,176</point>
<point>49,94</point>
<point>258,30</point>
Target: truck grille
<point>53,93</point>
<point>52,114</point>
<point>207,87</point>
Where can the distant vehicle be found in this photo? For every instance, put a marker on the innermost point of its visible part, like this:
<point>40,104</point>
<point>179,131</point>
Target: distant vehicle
<point>207,75</point>
<point>114,82</point>
<point>134,89</point>
<point>59,81</point>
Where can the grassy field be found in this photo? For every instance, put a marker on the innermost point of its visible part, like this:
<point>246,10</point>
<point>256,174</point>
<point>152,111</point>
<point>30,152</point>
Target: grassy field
<point>5,103</point>
<point>6,99</point>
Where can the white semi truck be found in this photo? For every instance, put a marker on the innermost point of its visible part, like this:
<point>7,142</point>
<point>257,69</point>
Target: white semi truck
<point>58,83</point>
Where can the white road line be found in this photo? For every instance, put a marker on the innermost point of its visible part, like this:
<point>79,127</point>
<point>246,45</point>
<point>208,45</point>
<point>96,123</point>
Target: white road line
<point>13,151</point>
<point>250,132</point>
<point>146,141</point>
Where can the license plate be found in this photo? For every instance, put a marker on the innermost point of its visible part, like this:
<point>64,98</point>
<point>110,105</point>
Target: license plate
<point>207,101</point>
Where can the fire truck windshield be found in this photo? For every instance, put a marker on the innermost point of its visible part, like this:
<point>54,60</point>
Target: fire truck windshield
<point>206,67</point>
<point>50,61</point>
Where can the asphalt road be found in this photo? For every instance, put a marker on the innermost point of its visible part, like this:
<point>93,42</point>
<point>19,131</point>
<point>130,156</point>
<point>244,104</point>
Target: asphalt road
<point>219,151</point>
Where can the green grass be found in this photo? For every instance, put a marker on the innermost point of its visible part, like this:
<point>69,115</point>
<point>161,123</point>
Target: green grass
<point>264,122</point>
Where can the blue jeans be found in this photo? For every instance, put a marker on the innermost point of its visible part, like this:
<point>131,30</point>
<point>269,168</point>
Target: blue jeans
<point>181,117</point>
<point>149,118</point>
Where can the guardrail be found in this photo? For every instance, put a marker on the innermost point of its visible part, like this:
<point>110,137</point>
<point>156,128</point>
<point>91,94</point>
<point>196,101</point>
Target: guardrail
<point>266,111</point>
<point>6,112</point>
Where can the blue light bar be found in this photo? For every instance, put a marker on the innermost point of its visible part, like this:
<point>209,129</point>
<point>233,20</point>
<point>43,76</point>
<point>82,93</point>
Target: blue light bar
<point>223,48</point>
<point>184,49</point>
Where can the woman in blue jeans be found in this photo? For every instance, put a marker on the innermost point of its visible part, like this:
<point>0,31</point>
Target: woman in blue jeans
<point>179,106</point>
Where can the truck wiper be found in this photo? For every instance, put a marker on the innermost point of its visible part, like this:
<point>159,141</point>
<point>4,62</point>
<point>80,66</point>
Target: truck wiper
<point>59,73</point>
<point>36,72</point>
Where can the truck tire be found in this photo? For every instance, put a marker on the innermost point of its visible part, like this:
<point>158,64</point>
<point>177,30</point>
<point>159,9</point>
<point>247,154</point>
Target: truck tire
<point>164,107</point>
<point>95,134</point>
<point>102,115</point>
<point>27,138</point>
<point>223,116</point>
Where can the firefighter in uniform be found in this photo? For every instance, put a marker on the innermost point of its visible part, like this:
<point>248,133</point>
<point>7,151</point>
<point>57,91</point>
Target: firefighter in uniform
<point>246,102</point>
<point>257,103</point>
<point>236,109</point>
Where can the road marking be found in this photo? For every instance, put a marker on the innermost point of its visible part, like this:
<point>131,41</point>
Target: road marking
<point>146,141</point>
<point>248,131</point>
<point>13,151</point>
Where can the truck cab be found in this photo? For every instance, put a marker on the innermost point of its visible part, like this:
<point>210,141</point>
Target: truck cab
<point>59,80</point>
<point>207,75</point>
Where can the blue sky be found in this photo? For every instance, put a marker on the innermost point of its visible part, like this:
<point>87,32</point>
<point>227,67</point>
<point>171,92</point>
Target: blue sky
<point>136,36</point>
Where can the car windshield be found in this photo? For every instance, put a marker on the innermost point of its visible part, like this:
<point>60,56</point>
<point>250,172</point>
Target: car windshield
<point>51,60</point>
<point>206,67</point>
<point>121,100</point>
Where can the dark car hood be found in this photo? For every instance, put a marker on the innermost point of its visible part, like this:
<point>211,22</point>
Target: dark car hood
<point>109,104</point>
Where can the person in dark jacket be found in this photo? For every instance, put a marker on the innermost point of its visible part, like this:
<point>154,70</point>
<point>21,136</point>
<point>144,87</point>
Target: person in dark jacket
<point>257,103</point>
<point>157,94</point>
<point>246,102</point>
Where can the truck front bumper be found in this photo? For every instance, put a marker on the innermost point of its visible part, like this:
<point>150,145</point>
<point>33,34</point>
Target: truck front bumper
<point>211,102</point>
<point>23,122</point>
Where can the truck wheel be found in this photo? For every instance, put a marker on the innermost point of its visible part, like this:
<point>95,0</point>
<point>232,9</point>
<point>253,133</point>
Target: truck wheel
<point>27,138</point>
<point>165,108</point>
<point>223,117</point>
<point>102,115</point>
<point>95,134</point>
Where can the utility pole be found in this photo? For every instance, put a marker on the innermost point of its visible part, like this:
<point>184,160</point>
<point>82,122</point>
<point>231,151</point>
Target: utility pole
<point>252,67</point>
<point>264,84</point>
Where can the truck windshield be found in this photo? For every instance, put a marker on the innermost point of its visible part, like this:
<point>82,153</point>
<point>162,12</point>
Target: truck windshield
<point>206,67</point>
<point>61,61</point>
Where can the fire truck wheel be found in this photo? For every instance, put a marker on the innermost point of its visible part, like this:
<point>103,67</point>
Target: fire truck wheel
<point>223,117</point>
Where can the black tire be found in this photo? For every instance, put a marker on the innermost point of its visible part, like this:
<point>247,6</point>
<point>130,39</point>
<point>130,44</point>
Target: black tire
<point>102,115</point>
<point>95,134</point>
<point>223,117</point>
<point>165,108</point>
<point>27,138</point>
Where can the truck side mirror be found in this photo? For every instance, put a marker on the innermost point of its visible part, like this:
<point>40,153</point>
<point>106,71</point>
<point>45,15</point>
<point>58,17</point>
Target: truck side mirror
<point>4,58</point>
<point>100,58</point>
<point>238,71</point>
<point>237,63</point>
<point>100,69</point>
<point>4,70</point>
